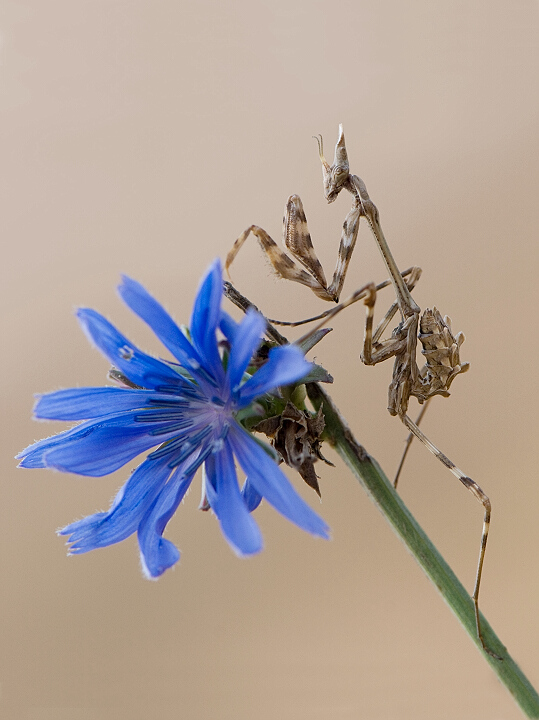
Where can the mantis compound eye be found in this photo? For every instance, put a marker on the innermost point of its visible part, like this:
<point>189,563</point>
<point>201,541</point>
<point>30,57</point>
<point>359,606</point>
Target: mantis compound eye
<point>339,174</point>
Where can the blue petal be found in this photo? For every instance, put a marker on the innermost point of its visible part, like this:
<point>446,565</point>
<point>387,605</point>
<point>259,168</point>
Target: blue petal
<point>156,552</point>
<point>140,368</point>
<point>205,319</point>
<point>247,340</point>
<point>126,513</point>
<point>285,365</point>
<point>228,326</point>
<point>271,482</point>
<point>251,497</point>
<point>226,501</point>
<point>138,299</point>
<point>95,448</point>
<point>91,402</point>
<point>33,456</point>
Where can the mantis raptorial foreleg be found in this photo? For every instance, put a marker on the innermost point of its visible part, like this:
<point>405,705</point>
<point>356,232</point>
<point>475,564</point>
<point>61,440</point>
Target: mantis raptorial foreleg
<point>297,239</point>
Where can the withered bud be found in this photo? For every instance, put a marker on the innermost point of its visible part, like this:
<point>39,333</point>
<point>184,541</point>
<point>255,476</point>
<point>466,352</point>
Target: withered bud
<point>296,437</point>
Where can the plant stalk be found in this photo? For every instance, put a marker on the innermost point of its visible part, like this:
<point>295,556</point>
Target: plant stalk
<point>382,493</point>
<point>385,497</point>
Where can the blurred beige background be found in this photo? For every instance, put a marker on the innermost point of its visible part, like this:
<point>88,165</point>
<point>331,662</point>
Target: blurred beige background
<point>143,137</point>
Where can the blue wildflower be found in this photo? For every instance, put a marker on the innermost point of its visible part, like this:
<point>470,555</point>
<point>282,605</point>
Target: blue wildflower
<point>188,410</point>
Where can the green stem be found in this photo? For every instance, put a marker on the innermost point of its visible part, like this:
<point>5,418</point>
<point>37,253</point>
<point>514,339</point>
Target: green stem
<point>384,495</point>
<point>380,490</point>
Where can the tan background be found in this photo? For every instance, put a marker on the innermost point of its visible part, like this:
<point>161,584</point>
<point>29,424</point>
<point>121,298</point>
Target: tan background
<point>142,137</point>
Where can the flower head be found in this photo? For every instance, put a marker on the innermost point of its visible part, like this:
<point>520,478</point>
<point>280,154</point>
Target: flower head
<point>186,410</point>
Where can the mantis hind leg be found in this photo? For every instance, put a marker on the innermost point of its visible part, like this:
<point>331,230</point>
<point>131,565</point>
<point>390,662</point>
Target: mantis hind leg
<point>476,491</point>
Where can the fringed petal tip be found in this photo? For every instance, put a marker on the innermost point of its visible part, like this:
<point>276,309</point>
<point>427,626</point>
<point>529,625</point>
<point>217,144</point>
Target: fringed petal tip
<point>71,546</point>
<point>72,549</point>
<point>245,553</point>
<point>161,559</point>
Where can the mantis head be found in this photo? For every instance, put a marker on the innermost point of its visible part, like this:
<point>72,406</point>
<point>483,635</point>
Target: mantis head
<point>336,175</point>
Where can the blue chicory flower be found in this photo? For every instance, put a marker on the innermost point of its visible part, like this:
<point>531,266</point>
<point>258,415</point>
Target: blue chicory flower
<point>188,410</point>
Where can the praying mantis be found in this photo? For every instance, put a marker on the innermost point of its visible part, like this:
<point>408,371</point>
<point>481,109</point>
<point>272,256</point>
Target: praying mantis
<point>440,347</point>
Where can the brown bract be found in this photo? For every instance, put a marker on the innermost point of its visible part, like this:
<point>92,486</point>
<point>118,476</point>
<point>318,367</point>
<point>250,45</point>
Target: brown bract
<point>296,437</point>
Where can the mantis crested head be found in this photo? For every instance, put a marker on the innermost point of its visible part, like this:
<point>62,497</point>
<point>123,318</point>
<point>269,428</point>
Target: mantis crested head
<point>336,175</point>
